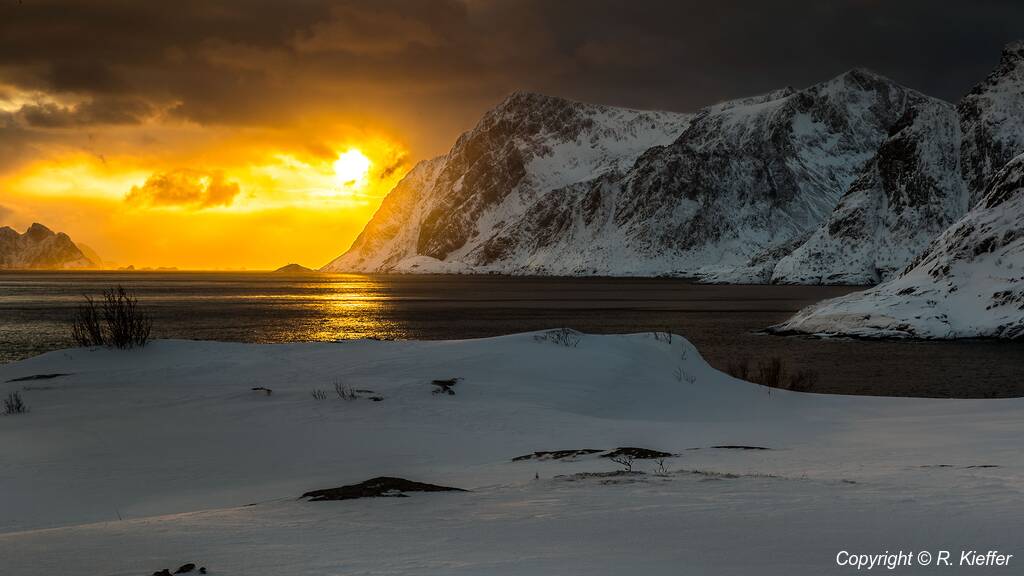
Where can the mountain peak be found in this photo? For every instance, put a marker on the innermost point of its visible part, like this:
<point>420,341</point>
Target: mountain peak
<point>522,100</point>
<point>37,230</point>
<point>861,76</point>
<point>1014,50</point>
<point>40,248</point>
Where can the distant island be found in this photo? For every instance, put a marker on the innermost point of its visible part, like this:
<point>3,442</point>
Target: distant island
<point>295,269</point>
<point>40,248</point>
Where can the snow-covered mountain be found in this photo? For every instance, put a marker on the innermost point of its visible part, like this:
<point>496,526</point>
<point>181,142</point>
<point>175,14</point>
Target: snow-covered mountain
<point>928,172</point>
<point>969,283</point>
<point>906,195</point>
<point>845,182</point>
<point>548,186</point>
<point>529,145</point>
<point>745,175</point>
<point>39,247</point>
<point>992,121</point>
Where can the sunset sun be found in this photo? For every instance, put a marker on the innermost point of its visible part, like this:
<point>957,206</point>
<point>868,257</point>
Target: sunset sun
<point>351,168</point>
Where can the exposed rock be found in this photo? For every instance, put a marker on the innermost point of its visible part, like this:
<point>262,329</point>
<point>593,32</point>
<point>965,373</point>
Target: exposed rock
<point>556,454</point>
<point>383,486</point>
<point>638,453</point>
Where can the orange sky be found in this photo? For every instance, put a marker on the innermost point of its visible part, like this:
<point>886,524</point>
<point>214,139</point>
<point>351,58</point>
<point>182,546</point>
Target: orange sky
<point>174,194</point>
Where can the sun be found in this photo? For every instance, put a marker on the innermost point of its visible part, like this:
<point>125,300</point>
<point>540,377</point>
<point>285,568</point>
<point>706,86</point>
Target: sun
<point>351,168</point>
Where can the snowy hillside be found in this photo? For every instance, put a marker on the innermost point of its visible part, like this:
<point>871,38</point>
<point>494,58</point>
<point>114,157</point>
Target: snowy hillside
<point>39,247</point>
<point>134,461</point>
<point>744,176</point>
<point>519,152</point>
<point>992,121</point>
<point>907,194</point>
<point>969,283</point>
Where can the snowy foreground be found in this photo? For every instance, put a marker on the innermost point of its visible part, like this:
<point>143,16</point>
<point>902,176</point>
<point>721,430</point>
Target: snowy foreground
<point>142,460</point>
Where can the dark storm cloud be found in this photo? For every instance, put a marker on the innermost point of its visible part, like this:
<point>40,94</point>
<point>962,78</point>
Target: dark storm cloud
<point>440,63</point>
<point>115,110</point>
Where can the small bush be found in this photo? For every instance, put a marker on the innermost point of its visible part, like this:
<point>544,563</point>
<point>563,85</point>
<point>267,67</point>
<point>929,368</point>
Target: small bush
<point>13,404</point>
<point>86,327</point>
<point>739,369</point>
<point>344,392</point>
<point>624,460</point>
<point>319,394</point>
<point>562,336</point>
<point>659,467</point>
<point>803,381</point>
<point>770,372</point>
<point>116,321</point>
<point>775,373</point>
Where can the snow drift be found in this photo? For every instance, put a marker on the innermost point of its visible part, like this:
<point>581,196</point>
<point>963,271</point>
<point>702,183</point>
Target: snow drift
<point>132,461</point>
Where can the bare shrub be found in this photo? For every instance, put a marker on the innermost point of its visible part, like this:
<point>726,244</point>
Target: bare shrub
<point>562,336</point>
<point>659,467</point>
<point>775,373</point>
<point>13,404</point>
<point>319,394</point>
<point>739,369</point>
<point>803,381</point>
<point>344,392</point>
<point>624,460</point>
<point>683,376</point>
<point>116,321</point>
<point>86,327</point>
<point>770,372</point>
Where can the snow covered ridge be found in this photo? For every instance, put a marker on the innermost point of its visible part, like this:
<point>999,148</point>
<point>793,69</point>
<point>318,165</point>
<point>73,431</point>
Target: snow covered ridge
<point>139,460</point>
<point>39,247</point>
<point>969,283</point>
<point>520,151</point>
<point>544,185</point>
<point>844,182</point>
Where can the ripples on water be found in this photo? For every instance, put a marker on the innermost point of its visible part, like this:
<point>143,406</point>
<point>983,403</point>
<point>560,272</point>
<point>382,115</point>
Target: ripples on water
<point>722,321</point>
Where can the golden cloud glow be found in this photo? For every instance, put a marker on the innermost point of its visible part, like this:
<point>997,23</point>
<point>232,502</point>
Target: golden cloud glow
<point>209,200</point>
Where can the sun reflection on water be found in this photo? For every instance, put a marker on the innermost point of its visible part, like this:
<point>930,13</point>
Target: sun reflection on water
<point>348,307</point>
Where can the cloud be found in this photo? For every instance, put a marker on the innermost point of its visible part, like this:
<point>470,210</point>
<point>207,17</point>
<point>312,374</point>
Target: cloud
<point>368,29</point>
<point>186,188</point>
<point>100,111</point>
<point>427,69</point>
<point>5,214</point>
